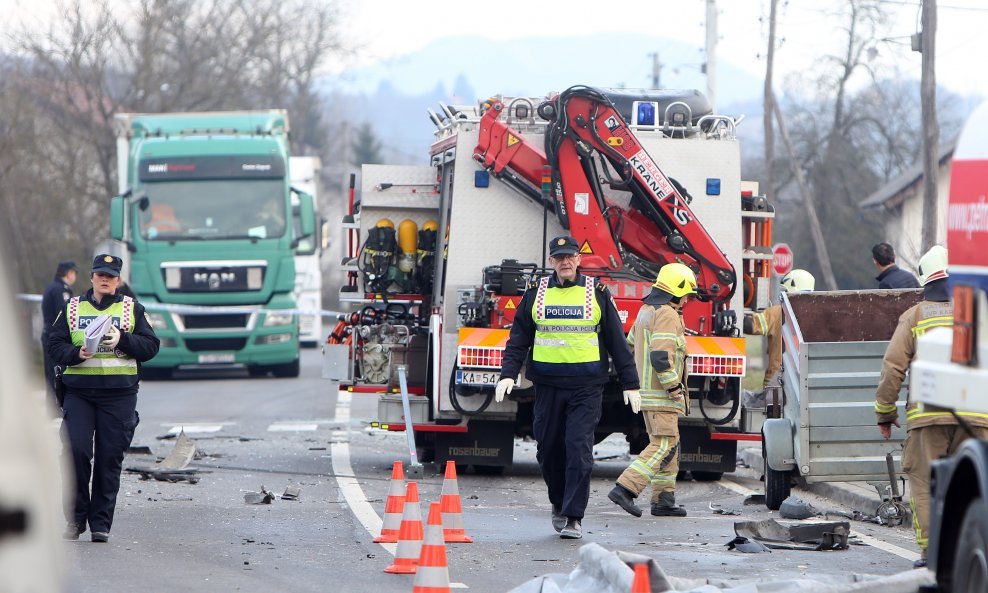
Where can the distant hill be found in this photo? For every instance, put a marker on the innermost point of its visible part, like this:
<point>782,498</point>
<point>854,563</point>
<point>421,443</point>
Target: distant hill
<point>395,94</point>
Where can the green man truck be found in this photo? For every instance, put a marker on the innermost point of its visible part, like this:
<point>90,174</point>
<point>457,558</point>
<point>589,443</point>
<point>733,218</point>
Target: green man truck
<point>205,217</point>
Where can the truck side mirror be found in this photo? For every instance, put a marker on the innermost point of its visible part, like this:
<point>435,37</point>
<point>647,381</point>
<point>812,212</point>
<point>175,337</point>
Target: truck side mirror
<point>307,215</point>
<point>117,213</point>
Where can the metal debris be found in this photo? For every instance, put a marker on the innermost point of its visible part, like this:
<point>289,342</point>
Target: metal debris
<point>794,507</point>
<point>262,497</point>
<point>291,493</point>
<point>719,510</point>
<point>800,536</point>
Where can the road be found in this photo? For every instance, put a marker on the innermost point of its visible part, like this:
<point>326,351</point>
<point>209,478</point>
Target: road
<point>277,432</point>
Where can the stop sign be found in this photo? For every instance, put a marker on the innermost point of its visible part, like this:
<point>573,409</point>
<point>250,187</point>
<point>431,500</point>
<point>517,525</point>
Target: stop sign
<point>781,259</point>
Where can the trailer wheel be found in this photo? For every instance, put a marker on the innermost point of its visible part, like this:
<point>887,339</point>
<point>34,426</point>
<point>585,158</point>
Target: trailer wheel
<point>289,370</point>
<point>777,488</point>
<point>970,572</point>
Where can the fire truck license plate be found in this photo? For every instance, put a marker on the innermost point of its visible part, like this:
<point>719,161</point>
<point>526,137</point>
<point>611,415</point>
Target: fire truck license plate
<point>216,358</point>
<point>476,378</point>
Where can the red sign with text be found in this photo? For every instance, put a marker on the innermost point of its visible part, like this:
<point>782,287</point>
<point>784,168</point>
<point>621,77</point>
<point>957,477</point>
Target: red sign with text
<point>781,259</point>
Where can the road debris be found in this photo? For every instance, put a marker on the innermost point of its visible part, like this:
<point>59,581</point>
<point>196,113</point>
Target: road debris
<point>754,499</point>
<point>291,493</point>
<point>174,467</point>
<point>262,497</point>
<point>794,507</point>
<point>719,510</point>
<point>799,536</point>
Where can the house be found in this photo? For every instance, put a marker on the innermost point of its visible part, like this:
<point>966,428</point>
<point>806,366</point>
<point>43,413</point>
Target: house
<point>900,201</point>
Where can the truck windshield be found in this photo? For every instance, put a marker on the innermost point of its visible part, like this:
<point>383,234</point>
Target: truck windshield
<point>214,209</point>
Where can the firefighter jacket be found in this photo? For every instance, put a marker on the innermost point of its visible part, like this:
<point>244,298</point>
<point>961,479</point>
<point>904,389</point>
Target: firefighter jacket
<point>564,334</point>
<point>109,372</point>
<point>899,355</point>
<point>768,323</point>
<point>658,339</point>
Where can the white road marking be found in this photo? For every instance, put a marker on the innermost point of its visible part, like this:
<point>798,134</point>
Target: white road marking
<point>195,427</point>
<point>292,426</point>
<point>871,541</point>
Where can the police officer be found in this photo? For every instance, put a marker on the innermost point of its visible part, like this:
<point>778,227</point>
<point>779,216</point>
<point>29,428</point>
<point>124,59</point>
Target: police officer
<point>101,393</point>
<point>564,329</point>
<point>768,322</point>
<point>931,432</point>
<point>659,340</point>
<point>56,294</point>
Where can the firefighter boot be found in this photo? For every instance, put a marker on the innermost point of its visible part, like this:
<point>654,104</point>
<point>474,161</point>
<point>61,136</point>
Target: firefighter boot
<point>666,507</point>
<point>623,497</point>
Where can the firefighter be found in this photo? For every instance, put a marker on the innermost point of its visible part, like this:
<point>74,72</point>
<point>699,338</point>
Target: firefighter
<point>931,432</point>
<point>564,330</point>
<point>768,323</point>
<point>658,338</point>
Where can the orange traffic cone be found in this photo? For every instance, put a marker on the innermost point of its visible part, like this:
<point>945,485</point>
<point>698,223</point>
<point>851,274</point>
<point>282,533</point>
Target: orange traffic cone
<point>641,583</point>
<point>433,572</point>
<point>452,511</point>
<point>409,534</point>
<point>393,507</point>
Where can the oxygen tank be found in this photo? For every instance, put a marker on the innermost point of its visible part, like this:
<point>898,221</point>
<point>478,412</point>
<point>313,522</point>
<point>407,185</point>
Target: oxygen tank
<point>408,242</point>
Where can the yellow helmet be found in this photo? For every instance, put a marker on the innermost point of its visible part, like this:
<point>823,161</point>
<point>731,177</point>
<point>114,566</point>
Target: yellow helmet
<point>933,265</point>
<point>385,223</point>
<point>798,281</point>
<point>676,279</point>
<point>430,225</point>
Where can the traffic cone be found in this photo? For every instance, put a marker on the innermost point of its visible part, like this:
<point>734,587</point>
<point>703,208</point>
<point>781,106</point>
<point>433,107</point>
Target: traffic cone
<point>433,572</point>
<point>393,507</point>
<point>641,583</point>
<point>453,531</point>
<point>409,534</point>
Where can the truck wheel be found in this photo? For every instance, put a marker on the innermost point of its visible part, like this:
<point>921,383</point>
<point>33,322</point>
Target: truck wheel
<point>777,488</point>
<point>970,572</point>
<point>707,476</point>
<point>289,370</point>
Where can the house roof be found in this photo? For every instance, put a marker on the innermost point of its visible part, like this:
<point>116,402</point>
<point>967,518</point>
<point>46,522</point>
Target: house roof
<point>886,195</point>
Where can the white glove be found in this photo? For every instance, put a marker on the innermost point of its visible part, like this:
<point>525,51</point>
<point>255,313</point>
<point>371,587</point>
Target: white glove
<point>111,338</point>
<point>634,399</point>
<point>503,386</point>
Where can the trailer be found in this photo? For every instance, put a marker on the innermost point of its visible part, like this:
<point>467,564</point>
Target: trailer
<point>824,424</point>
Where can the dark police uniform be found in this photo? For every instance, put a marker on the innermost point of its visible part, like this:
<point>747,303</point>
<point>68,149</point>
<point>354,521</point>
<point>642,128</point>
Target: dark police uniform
<point>565,332</point>
<point>101,397</point>
<point>56,294</point>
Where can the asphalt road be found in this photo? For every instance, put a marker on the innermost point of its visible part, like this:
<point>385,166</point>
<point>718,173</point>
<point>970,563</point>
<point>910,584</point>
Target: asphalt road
<point>278,432</point>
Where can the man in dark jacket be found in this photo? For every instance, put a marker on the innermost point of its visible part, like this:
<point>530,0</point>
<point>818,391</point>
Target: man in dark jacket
<point>889,274</point>
<point>564,330</point>
<point>100,392</point>
<point>56,294</point>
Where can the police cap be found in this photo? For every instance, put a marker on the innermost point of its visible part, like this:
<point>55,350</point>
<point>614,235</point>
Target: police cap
<point>65,266</point>
<point>563,245</point>
<point>105,263</point>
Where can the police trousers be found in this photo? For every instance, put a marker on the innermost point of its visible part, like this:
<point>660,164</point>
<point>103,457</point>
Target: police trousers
<point>98,431</point>
<point>658,463</point>
<point>923,445</point>
<point>564,424</point>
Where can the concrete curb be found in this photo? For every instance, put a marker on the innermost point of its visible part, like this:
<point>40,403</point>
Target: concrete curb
<point>860,496</point>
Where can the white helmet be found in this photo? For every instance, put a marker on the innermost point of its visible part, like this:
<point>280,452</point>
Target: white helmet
<point>798,281</point>
<point>933,265</point>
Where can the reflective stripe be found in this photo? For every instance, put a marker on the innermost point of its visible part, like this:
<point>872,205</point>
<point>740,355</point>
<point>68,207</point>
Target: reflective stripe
<point>884,408</point>
<point>930,322</point>
<point>762,323</point>
<point>915,413</point>
<point>550,342</point>
<point>567,328</point>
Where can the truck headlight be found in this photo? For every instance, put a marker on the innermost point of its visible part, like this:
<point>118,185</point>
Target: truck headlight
<point>158,320</point>
<point>277,318</point>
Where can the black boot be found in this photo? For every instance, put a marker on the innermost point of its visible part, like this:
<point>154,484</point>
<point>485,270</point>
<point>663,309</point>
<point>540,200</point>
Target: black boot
<point>625,499</point>
<point>666,507</point>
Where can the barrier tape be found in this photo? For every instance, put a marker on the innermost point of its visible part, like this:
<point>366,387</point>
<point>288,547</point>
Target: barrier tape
<point>36,298</point>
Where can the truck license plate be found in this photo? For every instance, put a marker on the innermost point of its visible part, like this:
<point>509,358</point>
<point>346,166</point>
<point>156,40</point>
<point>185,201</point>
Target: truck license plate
<point>216,358</point>
<point>476,378</point>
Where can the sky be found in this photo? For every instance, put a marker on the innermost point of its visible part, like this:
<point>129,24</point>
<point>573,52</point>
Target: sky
<point>807,30</point>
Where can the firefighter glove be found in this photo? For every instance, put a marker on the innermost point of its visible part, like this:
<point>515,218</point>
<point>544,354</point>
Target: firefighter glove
<point>503,386</point>
<point>676,392</point>
<point>633,397</point>
<point>748,324</point>
<point>111,338</point>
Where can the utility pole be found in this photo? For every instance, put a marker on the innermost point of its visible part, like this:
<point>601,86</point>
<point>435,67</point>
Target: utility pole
<point>931,127</point>
<point>656,69</point>
<point>769,110</point>
<point>711,66</point>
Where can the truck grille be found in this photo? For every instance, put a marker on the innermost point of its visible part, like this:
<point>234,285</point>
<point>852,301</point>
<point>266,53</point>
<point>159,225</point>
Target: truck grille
<point>232,321</point>
<point>208,344</point>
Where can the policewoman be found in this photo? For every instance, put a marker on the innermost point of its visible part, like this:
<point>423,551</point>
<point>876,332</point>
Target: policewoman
<point>100,393</point>
<point>565,328</point>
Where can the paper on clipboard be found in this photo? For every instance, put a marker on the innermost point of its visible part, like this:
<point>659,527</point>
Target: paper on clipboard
<point>96,330</point>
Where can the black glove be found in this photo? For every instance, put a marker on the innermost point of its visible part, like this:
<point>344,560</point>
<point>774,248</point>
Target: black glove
<point>748,324</point>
